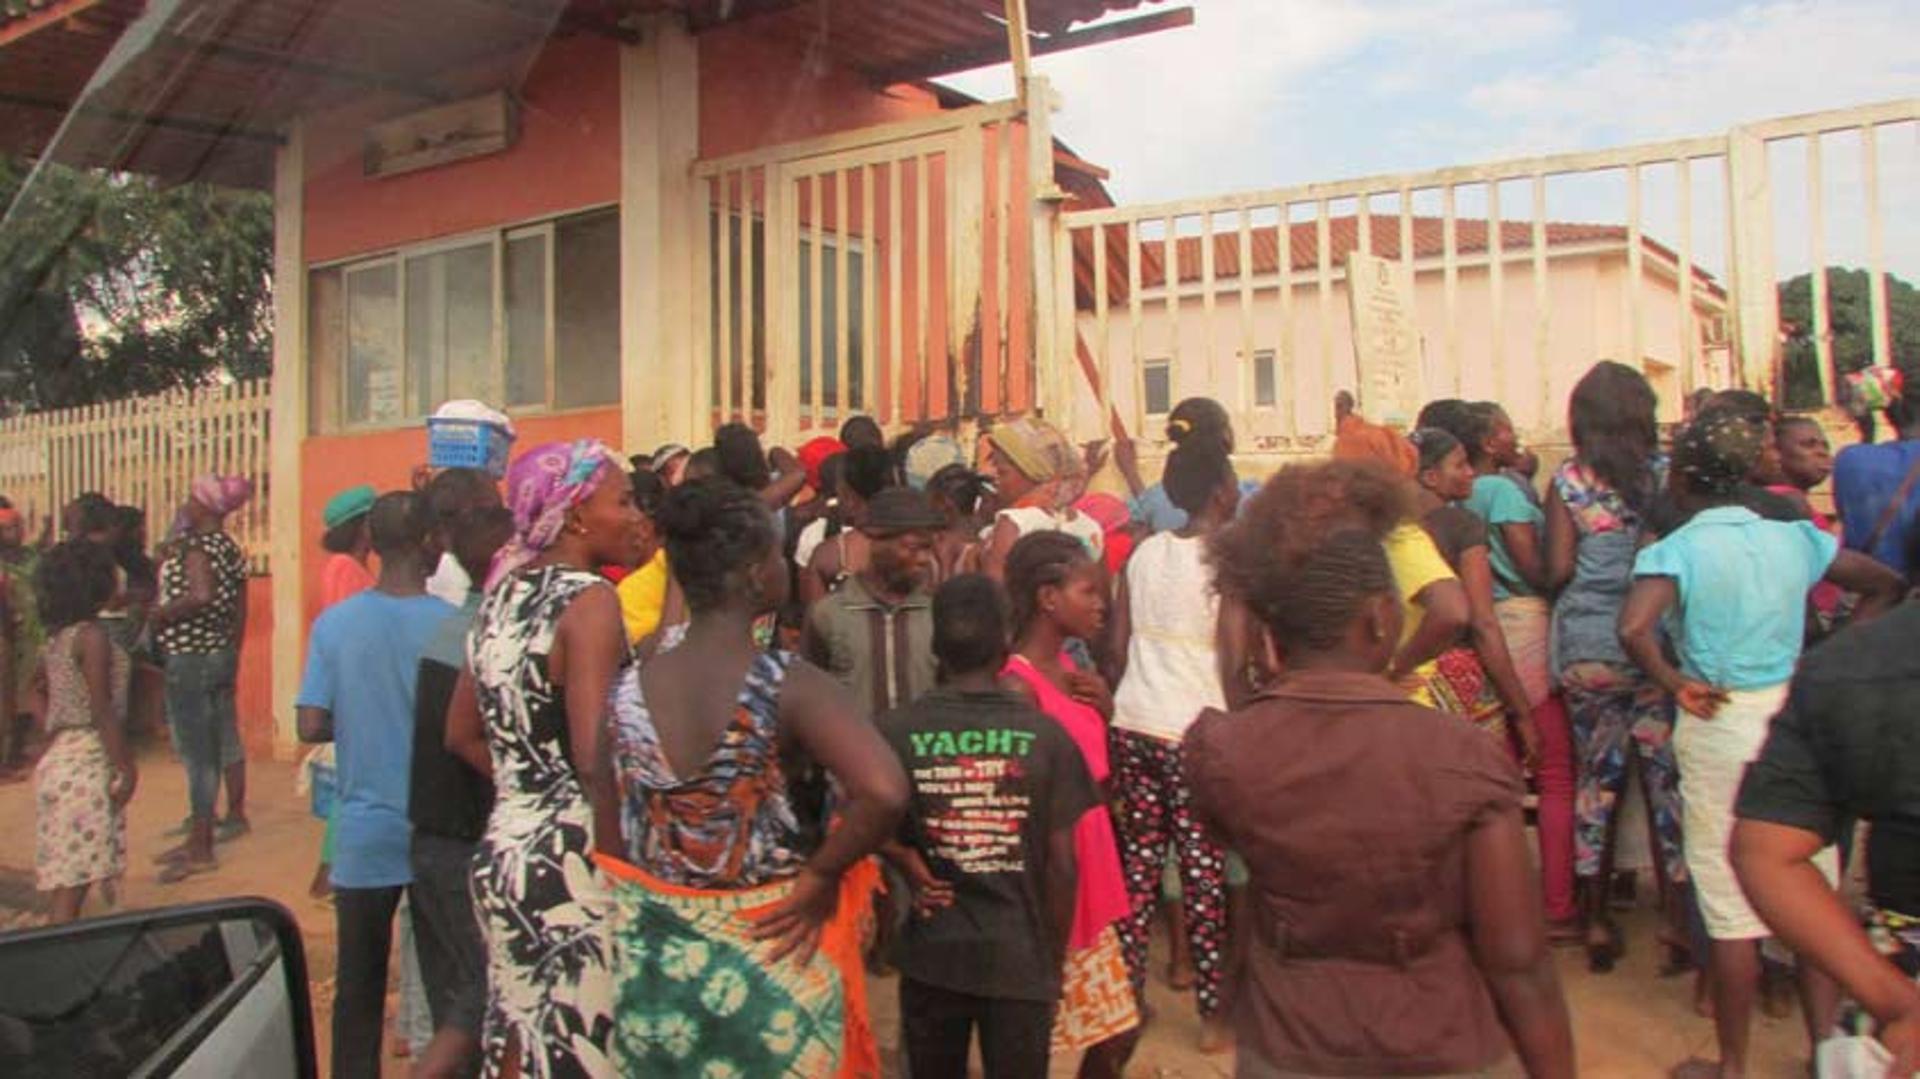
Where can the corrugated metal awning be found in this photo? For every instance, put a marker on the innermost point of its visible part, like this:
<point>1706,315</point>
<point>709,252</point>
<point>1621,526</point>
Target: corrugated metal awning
<point>200,89</point>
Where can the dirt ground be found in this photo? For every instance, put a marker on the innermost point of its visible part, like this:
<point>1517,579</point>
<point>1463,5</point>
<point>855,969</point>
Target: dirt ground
<point>1630,1023</point>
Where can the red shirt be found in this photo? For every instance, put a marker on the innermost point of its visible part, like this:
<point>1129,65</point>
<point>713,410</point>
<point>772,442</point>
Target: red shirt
<point>342,576</point>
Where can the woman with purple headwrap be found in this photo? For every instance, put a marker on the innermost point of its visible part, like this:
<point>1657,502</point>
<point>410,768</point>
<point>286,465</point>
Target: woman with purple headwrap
<point>200,620</point>
<point>545,649</point>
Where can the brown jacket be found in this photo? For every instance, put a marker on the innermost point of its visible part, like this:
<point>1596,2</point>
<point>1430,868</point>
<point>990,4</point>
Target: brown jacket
<point>1352,807</point>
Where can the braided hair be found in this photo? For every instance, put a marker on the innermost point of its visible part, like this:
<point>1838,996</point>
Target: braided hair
<point>961,487</point>
<point>717,533</point>
<point>1718,450</point>
<point>1305,553</point>
<point>1039,560</point>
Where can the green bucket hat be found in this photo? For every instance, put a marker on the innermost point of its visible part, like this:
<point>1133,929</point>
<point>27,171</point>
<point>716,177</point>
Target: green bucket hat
<point>348,504</point>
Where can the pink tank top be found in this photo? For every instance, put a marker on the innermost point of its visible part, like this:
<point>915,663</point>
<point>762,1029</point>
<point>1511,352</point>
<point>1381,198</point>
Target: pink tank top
<point>1102,898</point>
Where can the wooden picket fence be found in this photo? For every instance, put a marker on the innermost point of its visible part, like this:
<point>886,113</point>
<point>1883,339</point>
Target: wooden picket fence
<point>144,452</point>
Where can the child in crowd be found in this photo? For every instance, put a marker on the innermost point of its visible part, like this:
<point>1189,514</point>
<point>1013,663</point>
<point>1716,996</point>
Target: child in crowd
<point>87,773</point>
<point>987,947</point>
<point>1165,634</point>
<point>1058,592</point>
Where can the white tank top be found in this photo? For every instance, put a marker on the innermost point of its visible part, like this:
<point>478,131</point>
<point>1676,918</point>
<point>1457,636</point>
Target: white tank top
<point>1031,519</point>
<point>1172,666</point>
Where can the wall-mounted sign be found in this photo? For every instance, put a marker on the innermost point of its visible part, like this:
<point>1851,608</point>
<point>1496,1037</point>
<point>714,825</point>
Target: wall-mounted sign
<point>1386,340</point>
<point>475,127</point>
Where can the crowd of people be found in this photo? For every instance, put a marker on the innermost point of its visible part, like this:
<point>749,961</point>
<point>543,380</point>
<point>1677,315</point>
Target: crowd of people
<point>654,760</point>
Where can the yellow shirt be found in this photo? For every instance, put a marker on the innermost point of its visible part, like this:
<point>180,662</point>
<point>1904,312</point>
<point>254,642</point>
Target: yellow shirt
<point>643,598</point>
<point>1416,563</point>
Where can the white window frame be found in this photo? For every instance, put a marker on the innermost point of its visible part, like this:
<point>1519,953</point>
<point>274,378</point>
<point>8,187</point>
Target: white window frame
<point>1271,358</point>
<point>1162,364</point>
<point>497,238</point>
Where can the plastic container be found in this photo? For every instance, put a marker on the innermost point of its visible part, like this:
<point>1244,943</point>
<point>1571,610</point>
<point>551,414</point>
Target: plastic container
<point>464,443</point>
<point>326,783</point>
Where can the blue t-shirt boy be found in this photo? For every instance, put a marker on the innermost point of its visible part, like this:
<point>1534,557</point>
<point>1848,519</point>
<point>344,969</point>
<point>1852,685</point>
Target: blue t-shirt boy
<point>363,660</point>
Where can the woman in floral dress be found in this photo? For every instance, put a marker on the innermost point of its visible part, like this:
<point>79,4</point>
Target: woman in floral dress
<point>737,929</point>
<point>544,651</point>
<point>87,774</point>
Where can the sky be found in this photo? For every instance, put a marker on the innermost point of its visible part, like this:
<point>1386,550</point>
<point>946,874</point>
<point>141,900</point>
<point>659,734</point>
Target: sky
<point>1270,93</point>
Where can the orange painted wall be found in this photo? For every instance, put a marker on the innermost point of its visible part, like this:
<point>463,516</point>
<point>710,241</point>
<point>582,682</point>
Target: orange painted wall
<point>758,91</point>
<point>253,696</point>
<point>567,157</point>
<point>386,459</point>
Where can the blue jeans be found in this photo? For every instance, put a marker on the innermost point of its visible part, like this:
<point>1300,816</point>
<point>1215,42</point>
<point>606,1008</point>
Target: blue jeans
<point>201,717</point>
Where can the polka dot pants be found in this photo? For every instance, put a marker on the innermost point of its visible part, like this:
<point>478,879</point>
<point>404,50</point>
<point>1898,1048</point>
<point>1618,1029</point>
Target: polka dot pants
<point>1154,811</point>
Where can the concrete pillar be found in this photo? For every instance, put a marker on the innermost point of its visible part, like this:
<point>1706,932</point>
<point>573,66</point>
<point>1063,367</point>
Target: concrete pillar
<point>660,377</point>
<point>289,429</point>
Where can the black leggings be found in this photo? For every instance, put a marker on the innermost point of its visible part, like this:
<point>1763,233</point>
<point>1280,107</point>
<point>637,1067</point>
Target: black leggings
<point>365,920</point>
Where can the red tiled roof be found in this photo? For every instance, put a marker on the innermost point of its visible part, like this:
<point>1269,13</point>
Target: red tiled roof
<point>1343,238</point>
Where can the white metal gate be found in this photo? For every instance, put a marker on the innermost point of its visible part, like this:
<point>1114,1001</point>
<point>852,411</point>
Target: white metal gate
<point>1525,274</point>
<point>884,271</point>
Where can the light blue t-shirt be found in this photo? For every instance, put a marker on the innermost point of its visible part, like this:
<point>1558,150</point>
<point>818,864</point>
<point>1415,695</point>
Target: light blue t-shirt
<point>1500,500</point>
<point>1155,509</point>
<point>1743,583</point>
<point>363,661</point>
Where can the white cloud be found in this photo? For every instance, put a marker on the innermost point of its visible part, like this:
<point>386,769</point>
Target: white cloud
<point>1709,74</point>
<point>1205,108</point>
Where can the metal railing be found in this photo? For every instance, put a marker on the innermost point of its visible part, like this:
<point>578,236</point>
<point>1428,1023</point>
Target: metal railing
<point>1242,296</point>
<point>144,452</point>
<point>884,271</point>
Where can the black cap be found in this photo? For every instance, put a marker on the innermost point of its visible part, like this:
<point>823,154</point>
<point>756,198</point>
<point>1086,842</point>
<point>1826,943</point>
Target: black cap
<point>900,509</point>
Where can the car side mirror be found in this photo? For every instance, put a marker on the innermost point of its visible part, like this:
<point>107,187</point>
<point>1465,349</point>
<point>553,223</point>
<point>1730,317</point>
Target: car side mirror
<point>208,989</point>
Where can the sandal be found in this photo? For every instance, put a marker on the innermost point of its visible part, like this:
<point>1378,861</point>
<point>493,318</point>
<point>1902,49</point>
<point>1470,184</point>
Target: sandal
<point>1602,955</point>
<point>175,872</point>
<point>181,853</point>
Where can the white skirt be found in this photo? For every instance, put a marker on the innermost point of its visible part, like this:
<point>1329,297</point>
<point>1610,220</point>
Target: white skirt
<point>1713,755</point>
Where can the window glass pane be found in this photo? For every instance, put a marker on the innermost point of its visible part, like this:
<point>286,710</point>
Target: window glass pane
<point>738,321</point>
<point>1157,381</point>
<point>1264,393</point>
<point>587,310</point>
<point>526,287</point>
<point>856,318</point>
<point>450,327</point>
<point>373,345</point>
<point>426,381</point>
<point>830,320</point>
<point>472,370</point>
<point>326,348</point>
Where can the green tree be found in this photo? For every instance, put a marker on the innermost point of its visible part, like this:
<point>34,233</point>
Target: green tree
<point>1850,320</point>
<point>113,285</point>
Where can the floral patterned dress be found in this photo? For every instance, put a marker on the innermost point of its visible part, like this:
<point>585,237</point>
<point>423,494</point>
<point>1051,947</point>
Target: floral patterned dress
<point>542,907</point>
<point>80,835</point>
